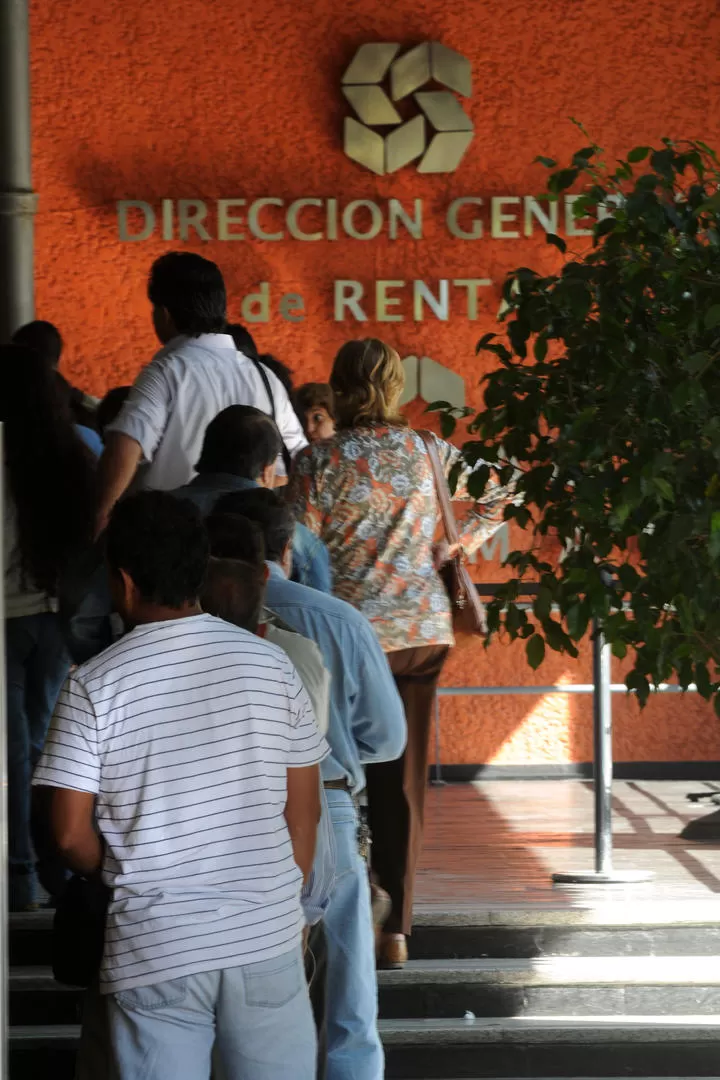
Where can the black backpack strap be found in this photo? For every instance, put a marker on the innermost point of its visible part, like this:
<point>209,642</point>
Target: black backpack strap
<point>266,382</point>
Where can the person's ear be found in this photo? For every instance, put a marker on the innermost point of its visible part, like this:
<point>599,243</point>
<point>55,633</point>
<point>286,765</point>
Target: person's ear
<point>267,476</point>
<point>130,592</point>
<point>286,560</point>
<point>164,325</point>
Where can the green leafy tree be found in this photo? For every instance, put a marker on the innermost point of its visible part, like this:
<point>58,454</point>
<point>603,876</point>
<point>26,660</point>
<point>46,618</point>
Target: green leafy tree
<point>607,398</point>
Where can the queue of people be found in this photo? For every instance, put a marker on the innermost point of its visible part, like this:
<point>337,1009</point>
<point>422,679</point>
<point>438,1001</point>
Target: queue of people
<point>266,569</point>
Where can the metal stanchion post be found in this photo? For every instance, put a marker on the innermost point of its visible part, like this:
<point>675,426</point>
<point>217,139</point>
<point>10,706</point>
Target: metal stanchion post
<point>17,199</point>
<point>4,883</point>
<point>603,874</point>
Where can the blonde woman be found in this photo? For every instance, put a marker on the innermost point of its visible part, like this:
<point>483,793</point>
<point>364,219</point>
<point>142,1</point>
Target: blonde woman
<point>368,492</point>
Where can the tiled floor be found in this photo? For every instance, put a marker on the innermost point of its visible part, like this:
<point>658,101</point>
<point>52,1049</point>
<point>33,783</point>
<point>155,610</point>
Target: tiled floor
<point>497,844</point>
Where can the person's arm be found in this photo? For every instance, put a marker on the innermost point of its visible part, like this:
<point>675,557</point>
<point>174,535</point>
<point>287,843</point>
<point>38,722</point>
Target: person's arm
<point>486,515</point>
<point>135,434</point>
<point>306,749</point>
<point>378,717</point>
<point>116,470</point>
<point>302,814</point>
<point>303,494</point>
<point>311,560</point>
<point>70,768</point>
<point>73,829</point>
<point>286,418</point>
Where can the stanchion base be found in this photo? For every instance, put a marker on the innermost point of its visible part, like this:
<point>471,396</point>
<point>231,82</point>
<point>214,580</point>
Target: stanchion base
<point>597,877</point>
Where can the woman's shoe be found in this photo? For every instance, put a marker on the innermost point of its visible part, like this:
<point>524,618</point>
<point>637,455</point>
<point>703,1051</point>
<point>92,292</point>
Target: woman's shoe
<point>393,952</point>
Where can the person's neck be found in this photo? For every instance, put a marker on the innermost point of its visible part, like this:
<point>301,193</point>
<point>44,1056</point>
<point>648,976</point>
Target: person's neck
<point>152,613</point>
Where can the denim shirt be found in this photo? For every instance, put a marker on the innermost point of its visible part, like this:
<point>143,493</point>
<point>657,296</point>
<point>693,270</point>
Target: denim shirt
<point>311,562</point>
<point>367,720</point>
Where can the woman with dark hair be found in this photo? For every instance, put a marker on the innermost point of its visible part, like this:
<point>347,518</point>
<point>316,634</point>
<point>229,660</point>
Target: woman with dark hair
<point>48,518</point>
<point>46,339</point>
<point>369,493</point>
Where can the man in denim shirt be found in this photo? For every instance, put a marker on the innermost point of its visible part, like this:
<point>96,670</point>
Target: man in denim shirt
<point>367,725</point>
<point>240,451</point>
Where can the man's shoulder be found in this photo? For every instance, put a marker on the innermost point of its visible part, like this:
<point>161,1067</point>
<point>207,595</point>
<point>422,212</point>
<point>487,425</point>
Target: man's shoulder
<point>207,346</point>
<point>285,593</point>
<point>156,638</point>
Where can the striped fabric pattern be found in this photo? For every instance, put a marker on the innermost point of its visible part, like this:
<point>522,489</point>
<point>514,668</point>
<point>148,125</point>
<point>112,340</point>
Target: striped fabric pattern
<point>184,730</point>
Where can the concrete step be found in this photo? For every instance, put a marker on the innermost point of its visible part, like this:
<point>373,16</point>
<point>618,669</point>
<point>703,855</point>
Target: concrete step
<point>37,1052</point>
<point>540,1047</point>
<point>35,998</point>
<point>561,1046</point>
<point>613,986</point>
<point>450,988</point>
<point>689,928</point>
<point>635,928</point>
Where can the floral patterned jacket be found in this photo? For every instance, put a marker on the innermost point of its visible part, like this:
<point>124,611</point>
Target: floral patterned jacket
<point>369,494</point>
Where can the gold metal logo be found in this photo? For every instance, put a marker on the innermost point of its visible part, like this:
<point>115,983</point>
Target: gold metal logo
<point>438,135</point>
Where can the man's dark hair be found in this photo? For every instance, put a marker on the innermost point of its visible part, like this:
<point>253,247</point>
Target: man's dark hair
<point>191,289</point>
<point>110,406</point>
<point>268,511</point>
<point>244,341</point>
<point>234,591</point>
<point>161,542</point>
<point>235,537</point>
<point>43,337</point>
<point>241,440</point>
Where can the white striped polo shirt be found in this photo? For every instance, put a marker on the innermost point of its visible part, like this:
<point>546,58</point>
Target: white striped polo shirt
<point>184,730</point>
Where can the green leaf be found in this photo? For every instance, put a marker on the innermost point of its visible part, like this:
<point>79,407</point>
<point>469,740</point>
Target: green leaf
<point>619,649</point>
<point>454,476</point>
<point>577,621</point>
<point>540,348</point>
<point>556,241</point>
<point>702,681</point>
<point>548,162</point>
<point>535,651</point>
<point>665,488</point>
<point>562,180</point>
<point>604,227</point>
<point>639,153</point>
<point>715,522</point>
<point>581,158</point>
<point>712,317</point>
<point>436,406</point>
<point>542,605</point>
<point>477,481</point>
<point>515,618</point>
<point>484,342</point>
<point>447,425</point>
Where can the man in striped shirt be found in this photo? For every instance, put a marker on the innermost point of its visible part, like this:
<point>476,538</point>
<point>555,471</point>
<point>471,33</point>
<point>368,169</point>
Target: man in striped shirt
<point>194,744</point>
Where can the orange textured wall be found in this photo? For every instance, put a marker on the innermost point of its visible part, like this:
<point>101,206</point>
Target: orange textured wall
<point>225,99</point>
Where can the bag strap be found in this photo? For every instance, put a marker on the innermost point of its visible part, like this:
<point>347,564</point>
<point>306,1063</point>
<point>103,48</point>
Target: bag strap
<point>266,382</point>
<point>260,368</point>
<point>441,488</point>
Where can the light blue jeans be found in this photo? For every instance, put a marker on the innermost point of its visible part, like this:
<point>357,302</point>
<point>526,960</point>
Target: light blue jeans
<point>354,1050</point>
<point>258,1015</point>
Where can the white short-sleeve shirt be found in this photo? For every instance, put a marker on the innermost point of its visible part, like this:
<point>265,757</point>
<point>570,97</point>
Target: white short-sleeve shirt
<point>185,730</point>
<point>181,390</point>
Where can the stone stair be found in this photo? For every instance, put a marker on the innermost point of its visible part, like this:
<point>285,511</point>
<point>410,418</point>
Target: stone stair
<point>632,990</point>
